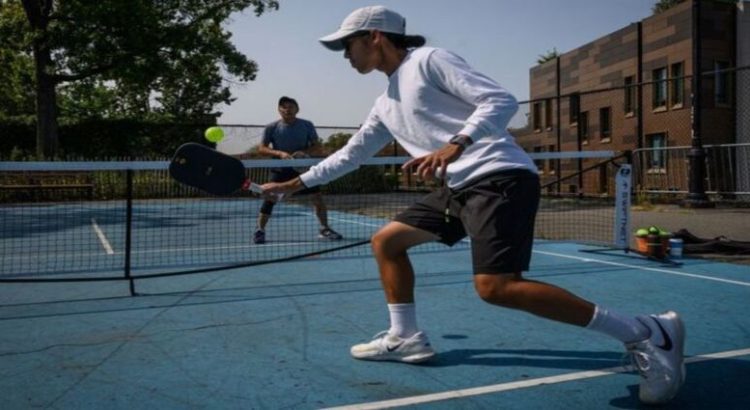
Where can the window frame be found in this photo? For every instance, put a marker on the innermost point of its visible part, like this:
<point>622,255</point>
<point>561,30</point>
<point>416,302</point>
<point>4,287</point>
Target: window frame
<point>583,124</point>
<point>677,85</point>
<point>537,116</point>
<point>657,161</point>
<point>659,89</point>
<point>629,104</point>
<point>548,114</point>
<point>605,124</point>
<point>722,83</point>
<point>574,105</point>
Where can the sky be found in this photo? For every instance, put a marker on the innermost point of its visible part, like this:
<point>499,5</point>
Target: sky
<point>501,38</point>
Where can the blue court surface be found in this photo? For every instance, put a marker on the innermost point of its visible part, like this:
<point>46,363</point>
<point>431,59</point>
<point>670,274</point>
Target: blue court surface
<point>167,235</point>
<point>278,337</point>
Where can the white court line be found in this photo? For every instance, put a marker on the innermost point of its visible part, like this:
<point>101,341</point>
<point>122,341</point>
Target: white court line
<point>497,388</point>
<point>349,221</point>
<point>625,265</point>
<point>102,238</point>
<point>223,247</point>
<point>333,218</point>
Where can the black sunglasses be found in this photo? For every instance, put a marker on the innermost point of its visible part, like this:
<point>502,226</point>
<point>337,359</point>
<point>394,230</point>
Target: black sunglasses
<point>347,42</point>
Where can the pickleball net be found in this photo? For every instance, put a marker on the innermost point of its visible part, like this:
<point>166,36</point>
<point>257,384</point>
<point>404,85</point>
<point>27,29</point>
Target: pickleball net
<point>98,220</point>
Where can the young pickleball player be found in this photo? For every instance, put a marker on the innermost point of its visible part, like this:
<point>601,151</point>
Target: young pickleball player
<point>291,137</point>
<point>451,118</point>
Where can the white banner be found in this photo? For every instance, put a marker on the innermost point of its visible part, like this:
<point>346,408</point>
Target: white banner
<point>623,182</point>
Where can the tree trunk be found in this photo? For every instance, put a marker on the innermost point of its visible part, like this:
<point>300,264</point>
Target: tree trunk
<point>46,106</point>
<point>38,12</point>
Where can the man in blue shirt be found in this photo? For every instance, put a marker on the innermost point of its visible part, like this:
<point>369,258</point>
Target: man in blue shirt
<point>291,137</point>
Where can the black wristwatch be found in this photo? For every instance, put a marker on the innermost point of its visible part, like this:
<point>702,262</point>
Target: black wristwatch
<point>461,140</point>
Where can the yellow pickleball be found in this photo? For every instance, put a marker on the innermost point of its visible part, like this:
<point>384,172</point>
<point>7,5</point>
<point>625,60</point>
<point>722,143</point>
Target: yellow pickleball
<point>214,134</point>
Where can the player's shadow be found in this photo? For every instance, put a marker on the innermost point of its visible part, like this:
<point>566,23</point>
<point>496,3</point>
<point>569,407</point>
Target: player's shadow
<point>560,359</point>
<point>714,384</point>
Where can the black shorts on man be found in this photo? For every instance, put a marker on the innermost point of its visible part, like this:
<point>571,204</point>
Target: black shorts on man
<point>497,212</point>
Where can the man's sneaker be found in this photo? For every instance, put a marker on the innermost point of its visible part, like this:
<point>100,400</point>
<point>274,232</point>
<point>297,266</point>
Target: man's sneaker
<point>384,346</point>
<point>330,234</point>
<point>259,237</point>
<point>662,367</point>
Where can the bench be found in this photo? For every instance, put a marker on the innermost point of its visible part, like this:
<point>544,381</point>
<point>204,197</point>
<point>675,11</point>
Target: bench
<point>39,181</point>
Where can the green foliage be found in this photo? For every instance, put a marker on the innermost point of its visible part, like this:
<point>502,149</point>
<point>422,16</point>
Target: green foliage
<point>550,55</point>
<point>165,58</point>
<point>16,68</point>
<point>364,180</point>
<point>112,59</point>
<point>664,5</point>
<point>336,141</point>
<point>103,139</point>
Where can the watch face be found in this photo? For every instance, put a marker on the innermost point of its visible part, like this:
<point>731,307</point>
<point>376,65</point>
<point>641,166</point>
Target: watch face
<point>460,140</point>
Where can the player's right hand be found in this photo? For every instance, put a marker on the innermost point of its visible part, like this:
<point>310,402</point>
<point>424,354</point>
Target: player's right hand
<point>282,188</point>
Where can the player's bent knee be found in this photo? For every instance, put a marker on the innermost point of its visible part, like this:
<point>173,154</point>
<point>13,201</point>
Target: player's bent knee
<point>381,242</point>
<point>387,242</point>
<point>497,289</point>
<point>395,238</point>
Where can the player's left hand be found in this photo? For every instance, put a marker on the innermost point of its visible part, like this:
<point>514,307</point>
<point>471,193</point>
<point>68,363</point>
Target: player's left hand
<point>436,163</point>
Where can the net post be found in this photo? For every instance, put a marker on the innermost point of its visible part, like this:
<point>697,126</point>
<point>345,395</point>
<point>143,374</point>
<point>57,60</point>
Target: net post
<point>129,228</point>
<point>623,189</point>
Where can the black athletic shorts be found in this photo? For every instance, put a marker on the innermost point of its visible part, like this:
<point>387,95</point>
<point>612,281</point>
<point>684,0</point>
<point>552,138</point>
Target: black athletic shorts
<point>286,174</point>
<point>497,213</point>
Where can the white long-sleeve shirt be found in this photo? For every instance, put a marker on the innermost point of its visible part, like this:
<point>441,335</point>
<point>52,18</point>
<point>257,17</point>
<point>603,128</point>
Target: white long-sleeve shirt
<point>432,96</point>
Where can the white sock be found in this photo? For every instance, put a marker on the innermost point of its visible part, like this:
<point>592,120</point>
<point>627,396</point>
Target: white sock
<point>403,319</point>
<point>626,329</point>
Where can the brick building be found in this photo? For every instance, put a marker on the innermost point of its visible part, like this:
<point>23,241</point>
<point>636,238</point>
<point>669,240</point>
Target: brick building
<point>589,98</point>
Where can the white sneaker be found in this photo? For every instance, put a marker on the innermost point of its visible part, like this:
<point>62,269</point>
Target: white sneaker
<point>384,346</point>
<point>662,368</point>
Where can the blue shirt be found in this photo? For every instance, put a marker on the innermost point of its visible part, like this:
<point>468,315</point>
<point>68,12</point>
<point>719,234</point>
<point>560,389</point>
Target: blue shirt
<point>297,136</point>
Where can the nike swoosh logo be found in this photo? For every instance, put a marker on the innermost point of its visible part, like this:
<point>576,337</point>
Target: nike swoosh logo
<point>393,347</point>
<point>667,340</point>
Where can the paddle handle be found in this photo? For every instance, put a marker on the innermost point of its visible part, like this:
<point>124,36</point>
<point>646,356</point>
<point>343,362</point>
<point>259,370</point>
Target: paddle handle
<point>257,189</point>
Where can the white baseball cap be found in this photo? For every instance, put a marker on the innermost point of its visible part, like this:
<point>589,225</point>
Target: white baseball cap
<point>370,18</point>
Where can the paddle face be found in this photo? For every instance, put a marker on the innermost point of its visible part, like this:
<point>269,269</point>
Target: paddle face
<point>206,169</point>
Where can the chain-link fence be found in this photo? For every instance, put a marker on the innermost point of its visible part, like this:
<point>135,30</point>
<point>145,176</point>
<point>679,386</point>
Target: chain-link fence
<point>244,139</point>
<point>655,121</point>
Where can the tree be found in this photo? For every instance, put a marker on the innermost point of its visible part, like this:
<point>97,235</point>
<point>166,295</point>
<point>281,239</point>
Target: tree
<point>145,56</point>
<point>550,55</point>
<point>664,5</point>
<point>16,69</point>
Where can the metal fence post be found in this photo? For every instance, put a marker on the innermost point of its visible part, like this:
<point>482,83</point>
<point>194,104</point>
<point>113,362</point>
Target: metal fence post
<point>696,197</point>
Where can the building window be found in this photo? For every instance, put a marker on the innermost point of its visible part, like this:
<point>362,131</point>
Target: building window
<point>629,95</point>
<point>583,126</point>
<point>538,162</point>
<point>537,116</point>
<point>575,106</point>
<point>548,114</point>
<point>657,155</point>
<point>605,122</point>
<point>721,82</point>
<point>659,88</point>
<point>603,178</point>
<point>678,85</point>
<point>551,163</point>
